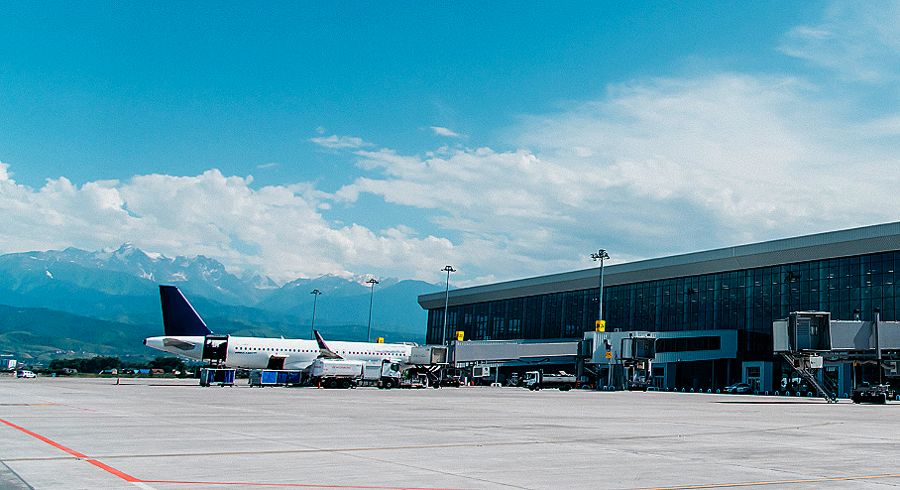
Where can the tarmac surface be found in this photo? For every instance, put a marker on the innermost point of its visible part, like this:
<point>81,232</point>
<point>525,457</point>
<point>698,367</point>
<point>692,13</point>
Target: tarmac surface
<point>173,434</point>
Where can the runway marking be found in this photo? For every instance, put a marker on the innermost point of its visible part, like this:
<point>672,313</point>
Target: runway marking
<point>294,485</point>
<point>45,439</point>
<point>98,464</point>
<point>141,482</point>
<point>776,482</point>
<point>29,404</point>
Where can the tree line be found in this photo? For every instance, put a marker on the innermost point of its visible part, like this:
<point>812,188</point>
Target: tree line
<point>103,363</point>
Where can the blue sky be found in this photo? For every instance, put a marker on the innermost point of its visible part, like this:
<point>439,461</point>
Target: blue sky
<point>508,139</point>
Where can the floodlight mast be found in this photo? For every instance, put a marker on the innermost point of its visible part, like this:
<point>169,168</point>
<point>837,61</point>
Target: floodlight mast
<point>312,330</point>
<point>372,282</point>
<point>600,255</point>
<point>448,269</point>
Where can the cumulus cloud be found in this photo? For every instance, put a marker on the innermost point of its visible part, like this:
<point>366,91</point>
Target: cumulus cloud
<point>335,142</point>
<point>442,131</point>
<point>653,167</point>
<point>859,40</point>
<point>276,230</point>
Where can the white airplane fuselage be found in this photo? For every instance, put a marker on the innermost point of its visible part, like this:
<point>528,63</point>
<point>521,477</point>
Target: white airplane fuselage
<point>257,352</point>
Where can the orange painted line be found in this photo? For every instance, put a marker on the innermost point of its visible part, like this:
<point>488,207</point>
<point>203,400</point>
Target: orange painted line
<point>132,479</point>
<point>111,470</point>
<point>98,464</point>
<point>44,439</point>
<point>294,485</point>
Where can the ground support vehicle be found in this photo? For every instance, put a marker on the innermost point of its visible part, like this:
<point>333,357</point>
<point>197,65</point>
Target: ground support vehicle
<point>390,375</point>
<point>275,377</point>
<point>215,376</point>
<point>878,394</point>
<point>537,380</point>
<point>335,373</point>
<point>25,374</point>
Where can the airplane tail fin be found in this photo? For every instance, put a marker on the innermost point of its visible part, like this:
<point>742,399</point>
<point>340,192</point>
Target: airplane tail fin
<point>324,351</point>
<point>179,317</point>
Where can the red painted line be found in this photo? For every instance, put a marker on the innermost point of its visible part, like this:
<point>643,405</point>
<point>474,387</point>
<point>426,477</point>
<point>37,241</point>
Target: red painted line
<point>294,485</point>
<point>111,470</point>
<point>44,439</point>
<point>98,464</point>
<point>132,479</point>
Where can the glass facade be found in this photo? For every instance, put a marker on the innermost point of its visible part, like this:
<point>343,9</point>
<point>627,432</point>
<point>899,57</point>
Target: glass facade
<point>746,300</point>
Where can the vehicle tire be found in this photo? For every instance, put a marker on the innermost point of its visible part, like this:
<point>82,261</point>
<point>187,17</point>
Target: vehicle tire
<point>565,388</point>
<point>345,384</point>
<point>388,384</point>
<point>331,383</point>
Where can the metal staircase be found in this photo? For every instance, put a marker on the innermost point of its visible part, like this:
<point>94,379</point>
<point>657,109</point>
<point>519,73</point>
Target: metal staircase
<point>801,364</point>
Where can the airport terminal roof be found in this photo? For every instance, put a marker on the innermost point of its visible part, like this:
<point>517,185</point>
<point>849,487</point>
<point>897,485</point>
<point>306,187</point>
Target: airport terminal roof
<point>832,244</point>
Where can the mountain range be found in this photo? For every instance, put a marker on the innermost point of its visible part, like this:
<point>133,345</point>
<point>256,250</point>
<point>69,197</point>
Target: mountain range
<point>72,302</point>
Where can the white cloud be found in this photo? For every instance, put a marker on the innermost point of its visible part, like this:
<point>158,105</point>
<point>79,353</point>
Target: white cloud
<point>442,131</point>
<point>335,142</point>
<point>667,165</point>
<point>210,214</point>
<point>264,166</point>
<point>859,40</point>
<point>654,166</point>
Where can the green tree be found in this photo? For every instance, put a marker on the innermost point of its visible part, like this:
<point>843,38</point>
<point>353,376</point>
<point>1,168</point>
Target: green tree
<point>169,364</point>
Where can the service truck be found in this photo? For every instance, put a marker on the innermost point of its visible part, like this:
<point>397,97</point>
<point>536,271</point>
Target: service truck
<point>877,394</point>
<point>537,380</point>
<point>390,375</point>
<point>336,373</point>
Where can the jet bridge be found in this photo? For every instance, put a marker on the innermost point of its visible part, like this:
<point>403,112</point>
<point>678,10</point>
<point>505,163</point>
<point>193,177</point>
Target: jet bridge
<point>807,338</point>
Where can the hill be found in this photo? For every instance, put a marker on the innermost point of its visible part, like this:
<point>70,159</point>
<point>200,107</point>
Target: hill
<point>105,302</point>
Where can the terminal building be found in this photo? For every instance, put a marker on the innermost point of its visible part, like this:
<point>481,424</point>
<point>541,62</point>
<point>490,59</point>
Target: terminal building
<point>711,312</point>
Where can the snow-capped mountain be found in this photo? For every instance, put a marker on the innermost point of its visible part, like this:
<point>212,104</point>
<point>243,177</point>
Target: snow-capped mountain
<point>119,287</point>
<point>199,275</point>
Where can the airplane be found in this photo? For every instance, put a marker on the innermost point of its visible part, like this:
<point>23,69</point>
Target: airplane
<point>186,334</point>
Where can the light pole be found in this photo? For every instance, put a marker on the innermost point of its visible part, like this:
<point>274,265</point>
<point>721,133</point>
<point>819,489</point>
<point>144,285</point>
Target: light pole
<point>373,282</point>
<point>316,293</point>
<point>448,269</point>
<point>600,255</point>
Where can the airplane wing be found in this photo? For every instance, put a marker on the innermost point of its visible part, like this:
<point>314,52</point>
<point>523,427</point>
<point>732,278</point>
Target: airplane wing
<point>324,351</point>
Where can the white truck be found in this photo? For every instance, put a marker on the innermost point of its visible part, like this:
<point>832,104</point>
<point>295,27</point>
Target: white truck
<point>336,373</point>
<point>537,380</point>
<point>390,375</point>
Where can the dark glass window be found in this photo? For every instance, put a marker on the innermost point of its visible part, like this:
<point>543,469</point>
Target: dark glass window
<point>745,300</point>
<point>688,344</point>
